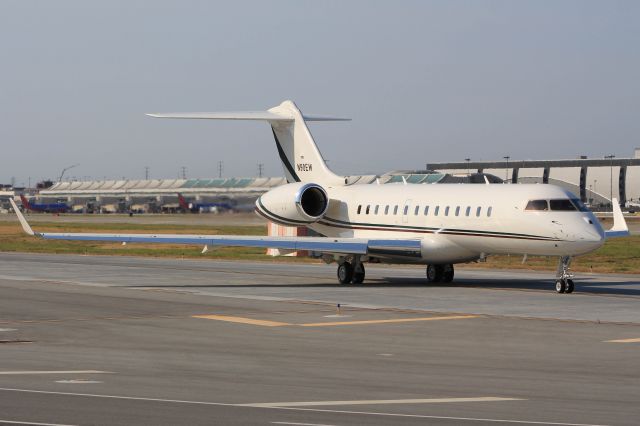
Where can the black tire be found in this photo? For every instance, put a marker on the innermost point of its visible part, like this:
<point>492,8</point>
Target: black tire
<point>570,286</point>
<point>345,273</point>
<point>561,287</point>
<point>435,273</point>
<point>358,276</point>
<point>447,273</point>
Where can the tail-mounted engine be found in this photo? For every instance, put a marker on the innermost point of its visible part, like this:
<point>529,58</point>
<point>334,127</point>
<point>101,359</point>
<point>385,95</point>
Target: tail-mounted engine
<point>294,204</point>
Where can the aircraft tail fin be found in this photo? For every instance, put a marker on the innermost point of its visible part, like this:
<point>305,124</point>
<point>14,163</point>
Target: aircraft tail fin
<point>183,203</point>
<point>25,202</point>
<point>301,159</point>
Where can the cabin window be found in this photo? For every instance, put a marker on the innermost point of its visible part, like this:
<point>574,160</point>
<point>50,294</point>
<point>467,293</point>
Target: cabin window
<point>417,210</point>
<point>435,213</point>
<point>376,209</point>
<point>489,211</point>
<point>359,208</point>
<point>446,211</point>
<point>564,205</point>
<point>458,211</point>
<point>468,212</point>
<point>368,207</point>
<point>406,210</point>
<point>426,210</point>
<point>478,210</point>
<point>386,209</point>
<point>395,209</point>
<point>537,205</point>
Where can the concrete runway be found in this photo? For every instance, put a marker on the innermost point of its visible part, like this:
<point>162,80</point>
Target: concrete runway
<point>106,340</point>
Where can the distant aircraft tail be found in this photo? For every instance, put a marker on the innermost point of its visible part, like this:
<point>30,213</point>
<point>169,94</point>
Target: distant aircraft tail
<point>183,203</point>
<point>25,202</point>
<point>301,159</point>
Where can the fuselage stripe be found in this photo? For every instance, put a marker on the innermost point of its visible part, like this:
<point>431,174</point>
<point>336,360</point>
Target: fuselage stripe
<point>421,230</point>
<point>260,208</point>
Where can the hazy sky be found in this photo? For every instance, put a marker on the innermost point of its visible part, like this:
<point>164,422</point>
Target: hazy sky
<point>423,81</point>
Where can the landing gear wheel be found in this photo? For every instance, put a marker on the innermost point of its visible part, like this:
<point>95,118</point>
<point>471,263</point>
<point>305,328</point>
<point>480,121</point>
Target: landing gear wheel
<point>569,286</point>
<point>345,273</point>
<point>447,275</point>
<point>358,276</point>
<point>435,273</point>
<point>564,281</point>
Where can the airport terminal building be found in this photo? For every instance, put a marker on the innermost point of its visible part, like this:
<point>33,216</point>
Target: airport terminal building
<point>594,180</point>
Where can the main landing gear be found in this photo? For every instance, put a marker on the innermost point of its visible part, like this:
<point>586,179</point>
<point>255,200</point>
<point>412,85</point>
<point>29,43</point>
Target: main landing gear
<point>564,277</point>
<point>351,272</point>
<point>440,273</point>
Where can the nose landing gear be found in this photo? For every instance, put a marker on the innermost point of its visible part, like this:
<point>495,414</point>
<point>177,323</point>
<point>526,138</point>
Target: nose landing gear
<point>564,277</point>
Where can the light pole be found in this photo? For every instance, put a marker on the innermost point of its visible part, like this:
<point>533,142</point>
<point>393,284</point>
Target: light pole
<point>468,167</point>
<point>610,157</point>
<point>506,168</point>
<point>64,170</point>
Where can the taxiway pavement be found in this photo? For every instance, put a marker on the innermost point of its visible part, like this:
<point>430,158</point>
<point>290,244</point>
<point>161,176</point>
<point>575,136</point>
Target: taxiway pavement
<point>106,340</point>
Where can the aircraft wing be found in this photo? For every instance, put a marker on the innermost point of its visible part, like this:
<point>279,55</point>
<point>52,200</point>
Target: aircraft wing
<point>363,246</point>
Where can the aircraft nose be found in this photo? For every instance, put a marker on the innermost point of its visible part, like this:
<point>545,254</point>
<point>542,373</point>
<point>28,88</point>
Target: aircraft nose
<point>592,236</point>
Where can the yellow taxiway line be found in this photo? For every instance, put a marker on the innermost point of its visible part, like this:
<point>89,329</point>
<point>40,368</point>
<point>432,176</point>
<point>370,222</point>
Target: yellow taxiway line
<point>635,340</point>
<point>386,321</point>
<point>242,320</point>
<point>266,323</point>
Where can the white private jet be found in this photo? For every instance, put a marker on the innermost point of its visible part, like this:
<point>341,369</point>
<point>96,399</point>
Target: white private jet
<point>437,225</point>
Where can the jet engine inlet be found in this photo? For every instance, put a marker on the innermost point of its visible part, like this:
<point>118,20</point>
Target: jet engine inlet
<point>312,200</point>
<point>294,204</point>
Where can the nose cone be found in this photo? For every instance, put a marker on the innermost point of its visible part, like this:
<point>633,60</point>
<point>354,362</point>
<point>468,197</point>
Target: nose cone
<point>590,236</point>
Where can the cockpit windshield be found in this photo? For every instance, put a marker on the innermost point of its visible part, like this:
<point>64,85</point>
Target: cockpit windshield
<point>540,205</point>
<point>558,205</point>
<point>580,205</point>
<point>562,205</point>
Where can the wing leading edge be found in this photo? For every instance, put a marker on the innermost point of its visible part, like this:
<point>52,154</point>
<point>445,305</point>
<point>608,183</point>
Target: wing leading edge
<point>362,246</point>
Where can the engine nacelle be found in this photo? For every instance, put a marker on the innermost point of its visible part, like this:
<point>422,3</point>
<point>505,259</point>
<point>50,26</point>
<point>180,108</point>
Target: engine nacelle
<point>294,204</point>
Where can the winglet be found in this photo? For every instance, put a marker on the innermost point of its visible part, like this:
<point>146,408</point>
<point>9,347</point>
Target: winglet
<point>23,221</point>
<point>619,228</point>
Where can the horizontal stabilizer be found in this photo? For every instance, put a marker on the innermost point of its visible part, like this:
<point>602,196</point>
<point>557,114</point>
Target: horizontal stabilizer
<point>247,115</point>
<point>275,114</point>
<point>292,136</point>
